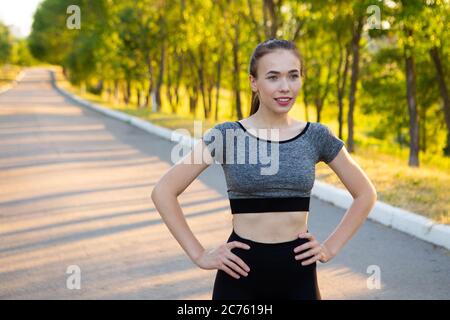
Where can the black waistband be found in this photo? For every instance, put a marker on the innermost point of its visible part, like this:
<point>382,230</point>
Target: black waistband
<point>254,205</point>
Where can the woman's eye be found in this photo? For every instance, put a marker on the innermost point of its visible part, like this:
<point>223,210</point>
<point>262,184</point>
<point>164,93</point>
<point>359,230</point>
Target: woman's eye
<point>274,77</point>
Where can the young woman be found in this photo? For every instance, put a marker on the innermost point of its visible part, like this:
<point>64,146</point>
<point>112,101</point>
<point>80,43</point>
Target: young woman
<point>270,252</point>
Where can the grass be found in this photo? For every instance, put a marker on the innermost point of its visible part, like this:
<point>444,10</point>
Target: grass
<point>8,74</point>
<point>424,190</point>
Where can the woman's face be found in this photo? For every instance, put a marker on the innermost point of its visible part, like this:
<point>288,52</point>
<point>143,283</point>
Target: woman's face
<point>278,76</point>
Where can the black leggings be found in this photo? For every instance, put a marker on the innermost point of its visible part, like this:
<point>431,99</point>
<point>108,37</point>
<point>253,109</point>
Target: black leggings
<point>274,273</point>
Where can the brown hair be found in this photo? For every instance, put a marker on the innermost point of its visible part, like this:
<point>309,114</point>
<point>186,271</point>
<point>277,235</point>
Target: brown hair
<point>264,48</point>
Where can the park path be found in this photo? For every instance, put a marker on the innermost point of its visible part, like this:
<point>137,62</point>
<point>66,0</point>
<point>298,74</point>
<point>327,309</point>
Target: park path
<point>75,189</point>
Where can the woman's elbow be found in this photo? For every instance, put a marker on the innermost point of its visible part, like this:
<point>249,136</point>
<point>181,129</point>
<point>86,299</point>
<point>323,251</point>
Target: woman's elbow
<point>157,199</point>
<point>373,193</point>
<point>371,197</point>
<point>153,194</point>
<point>156,192</point>
<point>161,190</point>
<point>368,194</point>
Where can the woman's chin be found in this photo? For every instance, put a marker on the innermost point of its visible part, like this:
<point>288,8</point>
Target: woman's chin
<point>281,110</point>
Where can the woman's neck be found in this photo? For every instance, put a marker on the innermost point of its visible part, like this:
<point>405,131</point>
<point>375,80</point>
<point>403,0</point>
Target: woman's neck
<point>264,118</point>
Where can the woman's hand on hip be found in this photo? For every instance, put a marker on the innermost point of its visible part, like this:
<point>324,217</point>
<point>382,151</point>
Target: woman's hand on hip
<point>316,251</point>
<point>222,258</point>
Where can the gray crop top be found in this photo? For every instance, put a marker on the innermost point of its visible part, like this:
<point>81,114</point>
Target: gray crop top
<point>264,175</point>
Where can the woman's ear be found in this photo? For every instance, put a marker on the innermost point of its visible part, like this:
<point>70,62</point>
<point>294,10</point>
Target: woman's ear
<point>252,83</point>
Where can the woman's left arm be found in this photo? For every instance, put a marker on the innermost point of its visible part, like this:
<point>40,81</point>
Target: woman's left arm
<point>364,198</point>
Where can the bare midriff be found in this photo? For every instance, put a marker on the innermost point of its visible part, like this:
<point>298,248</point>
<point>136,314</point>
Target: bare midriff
<point>270,227</point>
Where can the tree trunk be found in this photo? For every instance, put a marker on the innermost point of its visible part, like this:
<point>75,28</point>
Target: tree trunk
<point>236,71</point>
<point>193,98</point>
<point>116,91</point>
<point>160,77</point>
<point>201,76</point>
<point>305,95</point>
<point>256,27</point>
<point>99,87</point>
<point>440,75</point>
<point>322,96</point>
<point>218,78</point>
<point>127,94</point>
<point>318,104</point>
<point>354,81</point>
<point>412,108</point>
<point>138,96</point>
<point>150,80</point>
<point>169,85</point>
<point>177,83</point>
<point>341,85</point>
<point>209,91</point>
<point>423,133</point>
<point>273,12</point>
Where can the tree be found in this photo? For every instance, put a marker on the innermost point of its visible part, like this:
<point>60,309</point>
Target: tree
<point>435,26</point>
<point>50,40</point>
<point>6,43</point>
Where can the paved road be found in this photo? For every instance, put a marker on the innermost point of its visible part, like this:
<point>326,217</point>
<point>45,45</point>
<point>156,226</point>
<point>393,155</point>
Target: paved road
<point>75,190</point>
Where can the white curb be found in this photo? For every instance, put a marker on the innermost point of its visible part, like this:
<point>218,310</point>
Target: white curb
<point>397,218</point>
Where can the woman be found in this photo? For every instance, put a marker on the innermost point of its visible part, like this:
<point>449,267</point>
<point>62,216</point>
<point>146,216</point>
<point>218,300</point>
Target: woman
<point>270,252</point>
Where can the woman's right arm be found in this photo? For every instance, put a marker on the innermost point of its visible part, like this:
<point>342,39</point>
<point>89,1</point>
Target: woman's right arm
<point>165,197</point>
<point>166,192</point>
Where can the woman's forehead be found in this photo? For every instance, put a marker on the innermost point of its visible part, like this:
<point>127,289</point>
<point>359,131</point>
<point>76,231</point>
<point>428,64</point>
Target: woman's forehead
<point>281,60</point>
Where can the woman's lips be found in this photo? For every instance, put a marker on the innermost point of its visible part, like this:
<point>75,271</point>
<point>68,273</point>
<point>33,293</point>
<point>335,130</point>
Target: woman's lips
<point>283,103</point>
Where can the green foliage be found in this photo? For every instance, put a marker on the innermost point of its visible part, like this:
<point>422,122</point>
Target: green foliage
<point>6,43</point>
<point>21,55</point>
<point>197,52</point>
<point>50,39</point>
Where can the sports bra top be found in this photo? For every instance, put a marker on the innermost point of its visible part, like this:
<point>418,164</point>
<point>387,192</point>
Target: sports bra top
<point>264,175</point>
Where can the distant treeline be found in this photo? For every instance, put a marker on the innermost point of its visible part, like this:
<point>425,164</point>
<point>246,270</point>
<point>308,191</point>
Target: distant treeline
<point>13,50</point>
<point>386,58</point>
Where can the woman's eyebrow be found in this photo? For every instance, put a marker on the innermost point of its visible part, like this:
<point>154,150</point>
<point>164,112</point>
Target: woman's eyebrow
<point>277,72</point>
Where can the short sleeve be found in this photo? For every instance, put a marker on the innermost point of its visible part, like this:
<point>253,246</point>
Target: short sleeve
<point>328,144</point>
<point>214,141</point>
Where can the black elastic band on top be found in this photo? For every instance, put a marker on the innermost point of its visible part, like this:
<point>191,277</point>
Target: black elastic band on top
<point>255,205</point>
<point>276,141</point>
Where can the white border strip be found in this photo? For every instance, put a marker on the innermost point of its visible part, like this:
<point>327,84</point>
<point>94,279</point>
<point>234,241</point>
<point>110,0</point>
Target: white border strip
<point>396,218</point>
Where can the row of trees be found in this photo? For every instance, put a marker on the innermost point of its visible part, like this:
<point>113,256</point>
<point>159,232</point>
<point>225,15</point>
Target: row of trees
<point>386,57</point>
<point>13,50</point>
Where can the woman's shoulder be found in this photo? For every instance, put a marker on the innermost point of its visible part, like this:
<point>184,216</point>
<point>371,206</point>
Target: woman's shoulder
<point>225,125</point>
<point>320,132</point>
<point>319,127</point>
<point>220,128</point>
<point>316,125</point>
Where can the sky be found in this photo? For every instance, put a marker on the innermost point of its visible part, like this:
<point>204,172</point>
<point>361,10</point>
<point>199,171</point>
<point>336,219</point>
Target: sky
<point>18,14</point>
